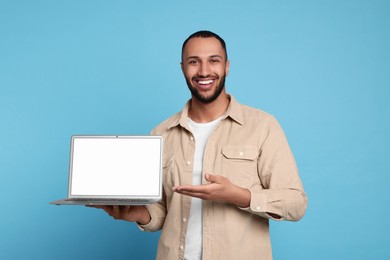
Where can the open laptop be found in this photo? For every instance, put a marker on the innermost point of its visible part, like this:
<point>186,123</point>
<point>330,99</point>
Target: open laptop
<point>114,170</point>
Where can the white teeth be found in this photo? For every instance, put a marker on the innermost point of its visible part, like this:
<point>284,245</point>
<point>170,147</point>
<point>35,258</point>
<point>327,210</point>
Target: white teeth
<point>205,82</point>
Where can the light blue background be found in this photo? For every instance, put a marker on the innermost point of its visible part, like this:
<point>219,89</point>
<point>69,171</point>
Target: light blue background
<point>112,67</point>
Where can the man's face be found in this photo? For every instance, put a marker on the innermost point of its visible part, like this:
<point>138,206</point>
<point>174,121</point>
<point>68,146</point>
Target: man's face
<point>205,67</point>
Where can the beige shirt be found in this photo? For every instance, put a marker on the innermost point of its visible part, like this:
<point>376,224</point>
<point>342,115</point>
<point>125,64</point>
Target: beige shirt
<point>250,149</point>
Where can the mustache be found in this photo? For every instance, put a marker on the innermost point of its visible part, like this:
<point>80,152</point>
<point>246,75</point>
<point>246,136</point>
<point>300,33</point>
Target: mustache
<point>204,77</point>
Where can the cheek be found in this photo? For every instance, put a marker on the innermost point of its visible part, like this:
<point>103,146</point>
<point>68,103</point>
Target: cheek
<point>221,70</point>
<point>189,73</point>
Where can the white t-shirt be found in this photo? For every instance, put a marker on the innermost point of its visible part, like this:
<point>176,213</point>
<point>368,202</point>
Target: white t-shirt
<point>193,245</point>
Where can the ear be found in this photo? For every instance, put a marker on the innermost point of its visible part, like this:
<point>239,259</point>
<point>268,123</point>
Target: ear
<point>181,66</point>
<point>227,66</point>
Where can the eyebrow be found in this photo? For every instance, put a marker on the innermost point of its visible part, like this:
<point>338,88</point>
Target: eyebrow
<point>197,57</point>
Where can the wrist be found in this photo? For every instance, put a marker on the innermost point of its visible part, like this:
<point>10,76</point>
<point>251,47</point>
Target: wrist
<point>143,216</point>
<point>241,197</point>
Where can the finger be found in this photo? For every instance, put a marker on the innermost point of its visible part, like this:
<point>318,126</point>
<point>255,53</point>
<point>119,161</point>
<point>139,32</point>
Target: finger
<point>200,195</point>
<point>115,211</point>
<point>125,209</point>
<point>213,178</point>
<point>194,191</point>
<point>196,188</point>
<point>209,177</point>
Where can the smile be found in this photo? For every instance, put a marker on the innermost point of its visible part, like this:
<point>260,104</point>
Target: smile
<point>205,82</point>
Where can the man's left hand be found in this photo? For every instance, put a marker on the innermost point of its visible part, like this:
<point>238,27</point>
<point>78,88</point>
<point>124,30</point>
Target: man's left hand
<point>220,189</point>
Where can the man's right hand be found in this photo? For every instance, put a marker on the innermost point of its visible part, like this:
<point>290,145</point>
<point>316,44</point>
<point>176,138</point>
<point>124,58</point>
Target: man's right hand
<point>129,213</point>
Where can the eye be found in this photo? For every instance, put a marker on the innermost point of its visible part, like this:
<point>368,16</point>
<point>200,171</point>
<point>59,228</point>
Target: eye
<point>214,60</point>
<point>193,62</point>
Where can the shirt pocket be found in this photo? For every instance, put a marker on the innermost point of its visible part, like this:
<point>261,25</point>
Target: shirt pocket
<point>240,164</point>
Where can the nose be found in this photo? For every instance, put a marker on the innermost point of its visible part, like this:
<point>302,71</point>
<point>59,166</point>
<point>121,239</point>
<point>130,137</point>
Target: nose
<point>204,69</point>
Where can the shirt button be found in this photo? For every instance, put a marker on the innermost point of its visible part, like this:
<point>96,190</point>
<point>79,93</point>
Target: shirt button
<point>191,138</point>
<point>258,208</point>
<point>188,163</point>
<point>181,247</point>
<point>241,153</point>
<point>184,220</point>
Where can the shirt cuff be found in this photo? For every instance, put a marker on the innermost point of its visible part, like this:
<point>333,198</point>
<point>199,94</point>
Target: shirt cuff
<point>156,218</point>
<point>259,205</point>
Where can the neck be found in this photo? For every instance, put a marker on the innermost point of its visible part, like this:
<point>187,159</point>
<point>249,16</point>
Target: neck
<point>204,113</point>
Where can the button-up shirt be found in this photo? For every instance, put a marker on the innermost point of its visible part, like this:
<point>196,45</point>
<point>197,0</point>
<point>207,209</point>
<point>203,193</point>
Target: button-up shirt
<point>250,149</point>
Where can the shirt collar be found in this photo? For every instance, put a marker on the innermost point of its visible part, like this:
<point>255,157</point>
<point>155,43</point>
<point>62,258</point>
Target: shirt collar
<point>234,112</point>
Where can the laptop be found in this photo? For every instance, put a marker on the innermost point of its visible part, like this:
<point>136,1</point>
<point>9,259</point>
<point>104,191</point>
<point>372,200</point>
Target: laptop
<point>114,170</point>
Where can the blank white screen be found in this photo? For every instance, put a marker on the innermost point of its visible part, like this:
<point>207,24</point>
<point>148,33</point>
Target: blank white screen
<point>116,166</point>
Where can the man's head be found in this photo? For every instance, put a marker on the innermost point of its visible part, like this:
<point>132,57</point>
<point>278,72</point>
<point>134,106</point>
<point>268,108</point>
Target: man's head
<point>204,34</point>
<point>205,65</point>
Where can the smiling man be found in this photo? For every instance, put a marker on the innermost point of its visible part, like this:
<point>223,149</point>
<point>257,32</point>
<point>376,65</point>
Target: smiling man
<point>205,75</point>
<point>228,169</point>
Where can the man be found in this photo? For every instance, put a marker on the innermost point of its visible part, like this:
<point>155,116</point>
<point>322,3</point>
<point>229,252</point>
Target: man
<point>228,169</point>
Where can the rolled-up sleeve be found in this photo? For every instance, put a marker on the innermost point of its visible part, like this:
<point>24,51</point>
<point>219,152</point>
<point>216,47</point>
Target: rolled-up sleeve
<point>157,214</point>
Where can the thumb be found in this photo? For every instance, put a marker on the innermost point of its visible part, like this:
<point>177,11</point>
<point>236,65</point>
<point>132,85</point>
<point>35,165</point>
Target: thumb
<point>211,177</point>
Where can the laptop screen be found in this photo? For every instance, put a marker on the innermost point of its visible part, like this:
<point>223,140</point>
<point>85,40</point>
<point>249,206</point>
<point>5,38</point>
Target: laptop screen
<point>115,166</point>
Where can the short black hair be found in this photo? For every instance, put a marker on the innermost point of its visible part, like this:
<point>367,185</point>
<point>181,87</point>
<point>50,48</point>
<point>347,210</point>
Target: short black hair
<point>204,34</point>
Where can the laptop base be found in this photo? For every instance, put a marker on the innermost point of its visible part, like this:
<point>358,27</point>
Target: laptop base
<point>104,202</point>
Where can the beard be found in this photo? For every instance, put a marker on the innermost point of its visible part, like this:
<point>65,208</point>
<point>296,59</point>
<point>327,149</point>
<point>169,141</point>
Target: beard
<point>205,100</point>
